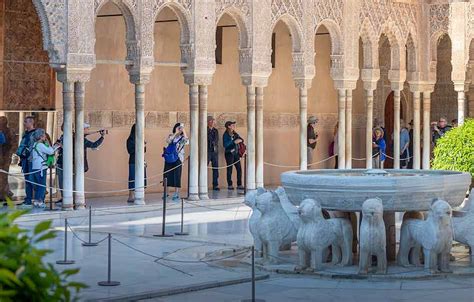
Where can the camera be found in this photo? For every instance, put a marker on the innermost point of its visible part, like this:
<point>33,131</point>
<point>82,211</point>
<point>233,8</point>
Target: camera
<point>103,131</point>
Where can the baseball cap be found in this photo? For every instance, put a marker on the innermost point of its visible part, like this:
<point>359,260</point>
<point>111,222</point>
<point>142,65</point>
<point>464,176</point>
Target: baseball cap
<point>210,118</point>
<point>312,120</point>
<point>86,126</point>
<point>228,123</point>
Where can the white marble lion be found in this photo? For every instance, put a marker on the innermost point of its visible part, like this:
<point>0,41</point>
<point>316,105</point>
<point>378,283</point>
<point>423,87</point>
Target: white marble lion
<point>316,234</point>
<point>435,235</point>
<point>277,225</point>
<point>464,226</point>
<point>372,237</point>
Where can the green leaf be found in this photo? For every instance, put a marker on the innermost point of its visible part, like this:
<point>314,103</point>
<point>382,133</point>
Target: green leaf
<point>70,272</point>
<point>49,235</point>
<point>42,226</point>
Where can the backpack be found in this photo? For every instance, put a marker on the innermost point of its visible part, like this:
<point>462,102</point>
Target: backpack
<point>171,152</point>
<point>49,160</point>
<point>3,138</point>
<point>241,148</point>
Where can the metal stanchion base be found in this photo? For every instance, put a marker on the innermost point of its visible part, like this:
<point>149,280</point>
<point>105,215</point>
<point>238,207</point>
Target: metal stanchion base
<point>163,235</point>
<point>181,234</point>
<point>89,244</point>
<point>252,300</point>
<point>51,210</point>
<point>108,283</point>
<point>65,262</point>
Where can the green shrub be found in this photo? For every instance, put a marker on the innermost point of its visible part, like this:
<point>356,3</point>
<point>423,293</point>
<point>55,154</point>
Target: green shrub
<point>23,274</point>
<point>455,150</point>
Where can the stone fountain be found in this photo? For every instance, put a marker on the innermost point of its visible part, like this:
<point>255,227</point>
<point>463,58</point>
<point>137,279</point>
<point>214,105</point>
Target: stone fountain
<point>410,191</point>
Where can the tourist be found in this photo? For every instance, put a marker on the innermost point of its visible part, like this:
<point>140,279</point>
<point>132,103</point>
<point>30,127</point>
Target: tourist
<point>91,144</point>
<point>23,153</point>
<point>378,148</point>
<point>312,138</point>
<point>174,158</point>
<point>440,129</point>
<point>410,146</point>
<point>213,150</point>
<point>131,165</point>
<point>231,140</point>
<point>39,164</point>
<point>378,124</point>
<point>454,123</point>
<point>7,148</point>
<point>404,144</point>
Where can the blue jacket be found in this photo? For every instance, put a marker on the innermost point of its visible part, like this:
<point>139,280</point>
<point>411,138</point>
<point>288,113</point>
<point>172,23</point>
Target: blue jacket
<point>229,142</point>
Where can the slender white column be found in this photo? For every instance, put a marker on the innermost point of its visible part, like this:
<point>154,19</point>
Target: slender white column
<point>416,130</point>
<point>349,129</point>
<point>68,106</point>
<point>259,138</point>
<point>461,107</point>
<point>396,129</point>
<point>426,130</point>
<point>139,144</point>
<point>203,142</point>
<point>341,139</point>
<point>193,186</point>
<point>303,128</point>
<point>369,127</point>
<point>79,197</point>
<point>251,138</point>
<point>50,123</point>
<point>21,126</point>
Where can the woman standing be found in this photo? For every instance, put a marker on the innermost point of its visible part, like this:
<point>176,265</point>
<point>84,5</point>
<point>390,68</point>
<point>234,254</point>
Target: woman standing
<point>174,157</point>
<point>378,149</point>
<point>231,140</point>
<point>131,165</point>
<point>39,159</point>
<point>404,145</point>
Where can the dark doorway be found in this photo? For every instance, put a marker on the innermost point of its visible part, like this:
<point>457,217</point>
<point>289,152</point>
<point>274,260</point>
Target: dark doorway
<point>389,128</point>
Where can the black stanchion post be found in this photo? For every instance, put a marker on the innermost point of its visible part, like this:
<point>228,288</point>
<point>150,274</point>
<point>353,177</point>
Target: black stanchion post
<point>181,232</point>
<point>253,280</point>
<point>65,261</point>
<point>189,170</point>
<point>245,173</point>
<point>90,243</point>
<point>165,195</point>
<point>109,267</point>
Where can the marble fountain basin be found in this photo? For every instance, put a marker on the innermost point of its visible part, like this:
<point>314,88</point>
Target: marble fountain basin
<point>400,190</point>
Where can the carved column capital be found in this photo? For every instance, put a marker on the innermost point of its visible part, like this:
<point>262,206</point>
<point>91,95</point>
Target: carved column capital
<point>139,77</point>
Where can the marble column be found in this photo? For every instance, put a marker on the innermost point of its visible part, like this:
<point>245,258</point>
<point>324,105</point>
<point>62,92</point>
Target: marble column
<point>396,129</point>
<point>426,129</point>
<point>68,107</point>
<point>50,123</point>
<point>79,196</point>
<point>349,129</point>
<point>21,126</point>
<point>341,140</point>
<point>259,139</point>
<point>139,144</point>
<point>461,106</point>
<point>251,138</point>
<point>416,131</point>
<point>203,188</point>
<point>369,94</point>
<point>303,95</point>
<point>193,186</point>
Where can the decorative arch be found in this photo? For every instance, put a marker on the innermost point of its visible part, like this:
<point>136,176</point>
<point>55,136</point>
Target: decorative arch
<point>397,49</point>
<point>54,41</point>
<point>369,45</point>
<point>412,52</point>
<point>334,33</point>
<point>184,20</point>
<point>434,41</point>
<point>295,31</point>
<point>239,19</point>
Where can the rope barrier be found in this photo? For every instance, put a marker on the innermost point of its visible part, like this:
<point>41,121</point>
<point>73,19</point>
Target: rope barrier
<point>225,167</point>
<point>405,158</point>
<point>80,239</point>
<point>288,166</point>
<point>210,208</point>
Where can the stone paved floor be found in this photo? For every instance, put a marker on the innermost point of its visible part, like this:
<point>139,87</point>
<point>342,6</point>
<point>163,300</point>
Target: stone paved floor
<point>216,227</point>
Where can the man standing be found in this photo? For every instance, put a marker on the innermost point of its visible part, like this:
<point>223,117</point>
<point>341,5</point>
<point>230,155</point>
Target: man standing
<point>212,150</point>
<point>312,138</point>
<point>6,151</point>
<point>440,129</point>
<point>23,152</point>
<point>231,140</point>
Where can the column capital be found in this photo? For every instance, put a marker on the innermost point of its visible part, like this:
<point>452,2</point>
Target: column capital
<point>304,83</point>
<point>461,86</point>
<point>139,77</point>
<point>254,80</point>
<point>370,78</point>
<point>74,76</point>
<point>397,78</point>
<point>198,78</point>
<point>345,84</point>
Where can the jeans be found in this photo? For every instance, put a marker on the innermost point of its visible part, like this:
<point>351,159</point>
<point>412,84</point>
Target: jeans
<point>26,169</point>
<point>232,160</point>
<point>39,186</point>
<point>59,175</point>
<point>213,158</point>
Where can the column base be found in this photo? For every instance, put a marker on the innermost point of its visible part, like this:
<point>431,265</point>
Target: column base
<point>193,197</point>
<point>203,196</point>
<point>67,207</point>
<point>81,207</point>
<point>139,202</point>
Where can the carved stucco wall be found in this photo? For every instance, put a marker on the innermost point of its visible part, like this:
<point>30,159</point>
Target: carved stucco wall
<point>26,86</point>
